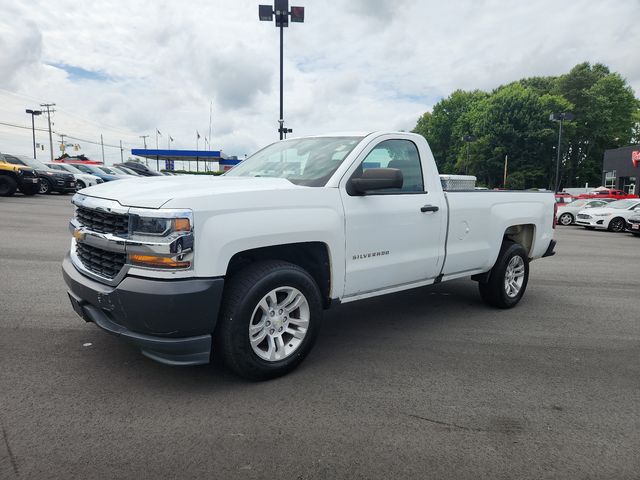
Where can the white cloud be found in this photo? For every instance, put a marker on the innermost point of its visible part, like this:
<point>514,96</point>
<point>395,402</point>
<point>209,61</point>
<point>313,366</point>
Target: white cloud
<point>353,65</point>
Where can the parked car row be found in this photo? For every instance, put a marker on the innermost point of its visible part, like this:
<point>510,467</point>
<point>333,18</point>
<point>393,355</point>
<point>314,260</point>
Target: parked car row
<point>603,214</point>
<point>31,176</point>
<point>48,179</point>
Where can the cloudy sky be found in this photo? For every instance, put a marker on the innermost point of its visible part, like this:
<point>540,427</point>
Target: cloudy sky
<point>124,68</point>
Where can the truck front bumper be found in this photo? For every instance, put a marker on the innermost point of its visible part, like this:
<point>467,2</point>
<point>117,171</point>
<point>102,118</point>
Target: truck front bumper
<point>171,321</point>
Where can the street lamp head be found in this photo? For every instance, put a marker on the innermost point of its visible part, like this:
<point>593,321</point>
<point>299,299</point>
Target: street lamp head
<point>33,112</point>
<point>566,116</point>
<point>265,13</point>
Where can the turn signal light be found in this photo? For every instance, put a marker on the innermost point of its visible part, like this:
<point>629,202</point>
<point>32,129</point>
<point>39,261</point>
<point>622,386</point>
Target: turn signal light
<point>157,262</point>
<point>181,225</point>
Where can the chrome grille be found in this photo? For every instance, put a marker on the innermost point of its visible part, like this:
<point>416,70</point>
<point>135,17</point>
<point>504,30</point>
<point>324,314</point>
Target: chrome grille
<point>101,262</point>
<point>583,216</point>
<point>103,222</point>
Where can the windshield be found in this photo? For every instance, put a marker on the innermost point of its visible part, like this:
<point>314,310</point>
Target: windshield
<point>109,171</point>
<point>303,161</point>
<point>69,168</point>
<point>22,160</point>
<point>577,203</point>
<point>622,204</point>
<point>89,169</point>
<point>127,171</point>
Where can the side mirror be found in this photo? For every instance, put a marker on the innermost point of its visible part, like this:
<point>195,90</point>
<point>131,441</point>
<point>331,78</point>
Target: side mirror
<point>376,179</point>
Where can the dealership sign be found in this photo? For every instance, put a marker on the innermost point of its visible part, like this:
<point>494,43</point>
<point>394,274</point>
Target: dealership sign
<point>635,158</point>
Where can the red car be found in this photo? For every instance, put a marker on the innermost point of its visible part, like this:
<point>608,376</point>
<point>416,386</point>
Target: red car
<point>607,193</point>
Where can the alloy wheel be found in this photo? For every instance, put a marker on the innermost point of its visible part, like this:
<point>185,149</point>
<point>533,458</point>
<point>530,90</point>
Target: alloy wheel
<point>514,276</point>
<point>279,324</point>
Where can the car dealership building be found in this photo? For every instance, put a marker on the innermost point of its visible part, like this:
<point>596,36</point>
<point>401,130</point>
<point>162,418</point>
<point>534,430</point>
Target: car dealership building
<point>621,168</point>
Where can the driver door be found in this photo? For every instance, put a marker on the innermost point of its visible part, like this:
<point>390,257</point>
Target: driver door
<point>391,240</point>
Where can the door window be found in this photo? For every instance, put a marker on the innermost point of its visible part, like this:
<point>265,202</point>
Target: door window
<point>400,154</point>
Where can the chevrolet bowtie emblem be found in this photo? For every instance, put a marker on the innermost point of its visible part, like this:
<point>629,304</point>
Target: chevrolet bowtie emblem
<point>79,235</point>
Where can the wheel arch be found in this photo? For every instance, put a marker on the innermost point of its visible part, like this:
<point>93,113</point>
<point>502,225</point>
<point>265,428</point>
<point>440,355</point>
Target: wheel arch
<point>314,257</point>
<point>523,234</point>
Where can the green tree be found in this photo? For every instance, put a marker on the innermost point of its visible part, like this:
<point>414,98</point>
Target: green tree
<point>514,120</point>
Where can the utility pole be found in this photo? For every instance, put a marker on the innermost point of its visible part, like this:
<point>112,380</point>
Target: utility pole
<point>49,112</point>
<point>121,154</point>
<point>504,180</point>
<point>102,145</point>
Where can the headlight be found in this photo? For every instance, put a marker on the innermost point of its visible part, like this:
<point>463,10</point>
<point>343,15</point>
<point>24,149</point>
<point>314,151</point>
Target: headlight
<point>160,238</point>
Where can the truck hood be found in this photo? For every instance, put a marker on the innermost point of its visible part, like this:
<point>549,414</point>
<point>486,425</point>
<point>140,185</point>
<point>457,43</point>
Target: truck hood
<point>154,192</point>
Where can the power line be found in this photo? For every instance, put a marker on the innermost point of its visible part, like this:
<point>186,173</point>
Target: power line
<point>84,140</point>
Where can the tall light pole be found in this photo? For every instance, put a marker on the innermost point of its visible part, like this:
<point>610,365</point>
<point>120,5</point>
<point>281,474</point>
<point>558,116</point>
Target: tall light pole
<point>49,112</point>
<point>560,117</point>
<point>33,113</point>
<point>467,139</point>
<point>280,11</point>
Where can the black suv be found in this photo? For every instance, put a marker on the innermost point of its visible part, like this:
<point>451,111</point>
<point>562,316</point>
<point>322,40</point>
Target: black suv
<point>50,180</point>
<point>140,169</point>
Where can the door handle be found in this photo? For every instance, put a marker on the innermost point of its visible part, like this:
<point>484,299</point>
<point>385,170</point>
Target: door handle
<point>429,208</point>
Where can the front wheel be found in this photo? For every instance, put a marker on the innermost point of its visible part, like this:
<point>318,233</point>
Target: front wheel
<point>270,319</point>
<point>45,187</point>
<point>80,185</point>
<point>617,224</point>
<point>508,278</point>
<point>565,219</point>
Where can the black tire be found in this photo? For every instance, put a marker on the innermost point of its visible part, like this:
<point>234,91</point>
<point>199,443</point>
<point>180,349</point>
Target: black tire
<point>565,219</point>
<point>635,234</point>
<point>494,291</point>
<point>80,185</point>
<point>617,225</point>
<point>29,190</point>
<point>45,187</point>
<point>8,186</point>
<point>242,295</point>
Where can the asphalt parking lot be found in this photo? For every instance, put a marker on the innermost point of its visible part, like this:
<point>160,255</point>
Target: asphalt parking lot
<point>428,383</point>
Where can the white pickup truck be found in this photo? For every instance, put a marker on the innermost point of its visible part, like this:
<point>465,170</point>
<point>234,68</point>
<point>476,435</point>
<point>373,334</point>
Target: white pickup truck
<point>243,265</point>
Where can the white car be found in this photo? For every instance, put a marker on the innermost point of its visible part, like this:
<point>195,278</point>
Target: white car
<point>566,214</point>
<point>613,217</point>
<point>83,180</point>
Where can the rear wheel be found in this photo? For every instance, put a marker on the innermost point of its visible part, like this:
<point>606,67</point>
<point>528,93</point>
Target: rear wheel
<point>565,219</point>
<point>80,185</point>
<point>8,186</point>
<point>617,224</point>
<point>45,186</point>
<point>270,319</point>
<point>508,278</point>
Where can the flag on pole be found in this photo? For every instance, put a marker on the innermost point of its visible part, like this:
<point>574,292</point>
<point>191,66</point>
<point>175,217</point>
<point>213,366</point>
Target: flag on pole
<point>170,138</point>
<point>158,132</point>
<point>198,134</point>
